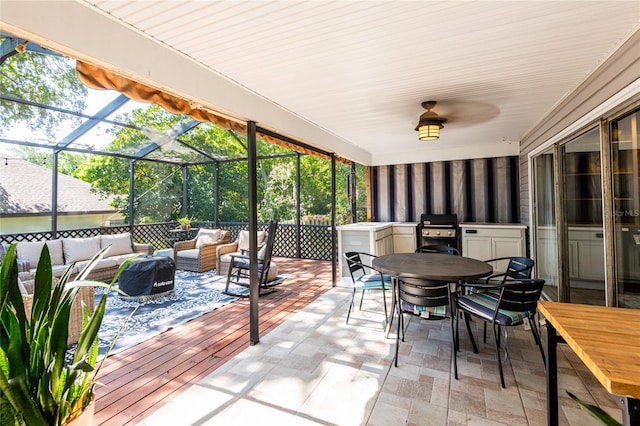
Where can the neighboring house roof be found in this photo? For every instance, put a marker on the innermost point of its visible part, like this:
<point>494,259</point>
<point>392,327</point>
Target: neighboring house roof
<point>25,188</point>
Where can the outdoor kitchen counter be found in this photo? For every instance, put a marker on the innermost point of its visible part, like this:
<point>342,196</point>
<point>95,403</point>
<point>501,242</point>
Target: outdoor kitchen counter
<point>376,238</point>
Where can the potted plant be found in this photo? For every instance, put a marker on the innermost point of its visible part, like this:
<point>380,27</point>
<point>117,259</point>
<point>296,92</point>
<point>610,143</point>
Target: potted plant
<point>37,386</point>
<point>185,222</point>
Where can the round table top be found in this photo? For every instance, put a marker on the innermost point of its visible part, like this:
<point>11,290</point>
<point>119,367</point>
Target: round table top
<point>432,266</point>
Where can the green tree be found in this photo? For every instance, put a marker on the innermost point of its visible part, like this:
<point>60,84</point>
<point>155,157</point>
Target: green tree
<point>44,79</point>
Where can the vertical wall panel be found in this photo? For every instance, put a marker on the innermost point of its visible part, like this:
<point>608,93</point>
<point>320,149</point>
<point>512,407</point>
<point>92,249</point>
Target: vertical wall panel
<point>458,189</point>
<point>384,202</point>
<point>479,190</point>
<point>438,188</point>
<point>502,193</point>
<point>418,189</point>
<point>400,194</point>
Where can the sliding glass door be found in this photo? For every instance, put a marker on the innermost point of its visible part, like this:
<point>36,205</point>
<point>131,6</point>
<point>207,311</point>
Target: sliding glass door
<point>626,207</point>
<point>545,223</point>
<point>586,214</point>
<point>582,191</point>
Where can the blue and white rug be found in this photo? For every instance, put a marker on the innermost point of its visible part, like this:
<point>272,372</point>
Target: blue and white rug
<point>194,294</point>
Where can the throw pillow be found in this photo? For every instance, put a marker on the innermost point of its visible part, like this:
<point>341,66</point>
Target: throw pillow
<point>262,252</point>
<point>31,250</point>
<point>76,249</point>
<point>120,244</point>
<point>55,250</point>
<point>243,239</point>
<point>207,236</point>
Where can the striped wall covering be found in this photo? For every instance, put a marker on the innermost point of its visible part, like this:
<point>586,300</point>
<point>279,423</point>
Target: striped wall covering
<point>479,190</point>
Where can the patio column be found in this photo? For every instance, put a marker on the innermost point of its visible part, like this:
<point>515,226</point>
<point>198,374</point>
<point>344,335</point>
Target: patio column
<point>184,191</point>
<point>254,333</point>
<point>298,249</point>
<point>54,195</point>
<point>132,174</point>
<point>352,192</point>
<point>333,221</point>
<point>216,202</point>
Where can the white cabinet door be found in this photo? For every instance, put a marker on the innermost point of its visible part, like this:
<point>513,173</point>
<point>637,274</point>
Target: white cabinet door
<point>505,247</point>
<point>384,246</point>
<point>477,247</point>
<point>404,239</point>
<point>491,242</point>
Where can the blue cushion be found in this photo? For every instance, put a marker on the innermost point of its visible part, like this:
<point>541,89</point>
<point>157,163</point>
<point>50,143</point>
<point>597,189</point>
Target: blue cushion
<point>373,277</point>
<point>437,312</point>
<point>242,263</point>
<point>484,305</point>
<point>373,281</point>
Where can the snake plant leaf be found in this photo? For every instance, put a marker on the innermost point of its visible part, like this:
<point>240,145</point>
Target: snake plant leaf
<point>42,297</point>
<point>16,392</point>
<point>596,412</point>
<point>37,387</point>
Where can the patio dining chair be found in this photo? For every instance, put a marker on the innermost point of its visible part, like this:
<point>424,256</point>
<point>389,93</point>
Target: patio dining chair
<point>517,268</point>
<point>365,277</point>
<point>517,301</point>
<point>426,300</point>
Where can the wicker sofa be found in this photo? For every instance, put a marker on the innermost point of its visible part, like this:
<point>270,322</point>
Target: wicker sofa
<point>74,253</point>
<point>78,251</point>
<point>200,253</point>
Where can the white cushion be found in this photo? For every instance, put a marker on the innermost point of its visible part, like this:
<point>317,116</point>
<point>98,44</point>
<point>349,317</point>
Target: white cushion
<point>58,270</point>
<point>76,249</point>
<point>120,244</point>
<point>30,251</point>
<point>243,239</point>
<point>102,264</point>
<point>55,250</point>
<point>23,289</point>
<point>121,258</point>
<point>189,254</point>
<point>207,236</point>
<point>262,252</point>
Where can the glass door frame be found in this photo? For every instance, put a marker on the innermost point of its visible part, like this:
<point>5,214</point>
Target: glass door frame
<point>605,126</point>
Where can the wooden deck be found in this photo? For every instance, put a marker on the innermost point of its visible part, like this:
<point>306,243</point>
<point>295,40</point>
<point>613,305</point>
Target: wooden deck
<point>139,380</point>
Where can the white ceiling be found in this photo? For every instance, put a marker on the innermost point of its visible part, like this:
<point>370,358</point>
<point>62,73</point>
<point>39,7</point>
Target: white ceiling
<point>360,69</point>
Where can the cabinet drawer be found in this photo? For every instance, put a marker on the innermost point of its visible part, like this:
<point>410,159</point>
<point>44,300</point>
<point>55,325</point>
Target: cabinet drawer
<point>383,233</point>
<point>404,230</point>
<point>492,232</point>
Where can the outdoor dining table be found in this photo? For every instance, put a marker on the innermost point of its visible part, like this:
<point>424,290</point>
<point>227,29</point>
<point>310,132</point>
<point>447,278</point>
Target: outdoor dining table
<point>607,341</point>
<point>430,266</point>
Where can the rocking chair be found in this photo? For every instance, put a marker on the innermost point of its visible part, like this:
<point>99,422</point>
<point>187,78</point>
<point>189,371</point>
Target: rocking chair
<point>239,268</point>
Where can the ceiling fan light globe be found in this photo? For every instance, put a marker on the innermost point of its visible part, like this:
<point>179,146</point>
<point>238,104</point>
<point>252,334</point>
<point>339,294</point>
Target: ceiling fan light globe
<point>429,132</point>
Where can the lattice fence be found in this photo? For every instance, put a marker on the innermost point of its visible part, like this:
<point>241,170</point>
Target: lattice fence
<point>315,240</point>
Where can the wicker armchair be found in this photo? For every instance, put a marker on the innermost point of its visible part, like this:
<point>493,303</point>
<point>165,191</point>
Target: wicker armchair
<point>85,294</point>
<point>199,254</point>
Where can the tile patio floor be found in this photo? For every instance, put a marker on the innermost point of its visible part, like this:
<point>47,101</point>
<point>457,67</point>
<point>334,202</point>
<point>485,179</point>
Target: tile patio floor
<point>316,370</point>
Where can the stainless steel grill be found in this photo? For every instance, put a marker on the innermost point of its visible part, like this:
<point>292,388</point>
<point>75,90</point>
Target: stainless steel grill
<point>439,229</point>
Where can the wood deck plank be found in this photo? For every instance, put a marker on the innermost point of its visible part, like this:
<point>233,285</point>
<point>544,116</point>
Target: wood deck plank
<point>137,381</point>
